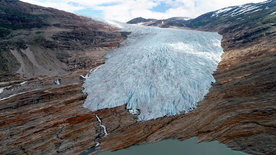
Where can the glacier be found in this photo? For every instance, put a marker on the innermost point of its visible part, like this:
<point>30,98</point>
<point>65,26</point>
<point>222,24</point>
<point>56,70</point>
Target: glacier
<point>156,72</point>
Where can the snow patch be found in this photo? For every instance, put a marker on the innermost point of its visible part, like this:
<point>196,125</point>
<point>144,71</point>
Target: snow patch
<point>102,126</point>
<point>221,11</point>
<point>24,82</point>
<point>244,9</point>
<point>83,77</point>
<point>2,90</point>
<point>158,72</point>
<point>256,10</point>
<point>5,98</point>
<point>57,81</point>
<point>7,87</point>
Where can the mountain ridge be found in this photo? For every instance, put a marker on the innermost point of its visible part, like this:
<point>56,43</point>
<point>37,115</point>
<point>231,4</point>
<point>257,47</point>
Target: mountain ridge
<point>216,18</point>
<point>55,34</point>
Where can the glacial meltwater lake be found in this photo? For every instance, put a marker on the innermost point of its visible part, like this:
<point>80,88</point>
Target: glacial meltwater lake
<point>176,147</point>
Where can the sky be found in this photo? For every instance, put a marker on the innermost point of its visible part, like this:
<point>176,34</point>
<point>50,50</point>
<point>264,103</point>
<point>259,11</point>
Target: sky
<point>125,10</point>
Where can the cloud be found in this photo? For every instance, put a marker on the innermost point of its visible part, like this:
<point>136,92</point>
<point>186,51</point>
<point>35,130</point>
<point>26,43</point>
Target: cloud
<point>124,10</point>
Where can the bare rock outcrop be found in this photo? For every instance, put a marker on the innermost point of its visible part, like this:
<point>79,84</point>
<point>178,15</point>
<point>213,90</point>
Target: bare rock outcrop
<point>39,41</point>
<point>240,109</point>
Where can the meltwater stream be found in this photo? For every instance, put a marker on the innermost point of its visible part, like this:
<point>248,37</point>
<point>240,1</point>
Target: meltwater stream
<point>156,71</point>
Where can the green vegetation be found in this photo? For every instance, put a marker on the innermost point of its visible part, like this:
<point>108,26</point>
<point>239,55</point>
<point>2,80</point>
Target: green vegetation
<point>8,62</point>
<point>4,32</point>
<point>16,19</point>
<point>3,62</point>
<point>270,18</point>
<point>11,26</point>
<point>38,32</point>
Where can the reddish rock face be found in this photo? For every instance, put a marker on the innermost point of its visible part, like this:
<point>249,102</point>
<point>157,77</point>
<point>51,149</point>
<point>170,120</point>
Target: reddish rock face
<point>239,110</point>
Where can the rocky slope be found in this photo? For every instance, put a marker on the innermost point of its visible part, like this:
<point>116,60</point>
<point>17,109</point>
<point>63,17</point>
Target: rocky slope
<point>239,110</point>
<point>44,41</point>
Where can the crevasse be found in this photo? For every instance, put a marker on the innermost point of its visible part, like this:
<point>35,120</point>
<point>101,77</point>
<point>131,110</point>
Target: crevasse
<point>159,72</point>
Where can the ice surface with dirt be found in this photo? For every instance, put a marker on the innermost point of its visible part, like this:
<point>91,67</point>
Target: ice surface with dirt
<point>156,72</point>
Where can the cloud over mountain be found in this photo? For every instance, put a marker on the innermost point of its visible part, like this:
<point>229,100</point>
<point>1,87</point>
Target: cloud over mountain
<point>125,10</point>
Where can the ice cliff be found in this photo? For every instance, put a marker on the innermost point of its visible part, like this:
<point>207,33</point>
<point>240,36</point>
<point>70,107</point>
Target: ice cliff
<point>157,72</point>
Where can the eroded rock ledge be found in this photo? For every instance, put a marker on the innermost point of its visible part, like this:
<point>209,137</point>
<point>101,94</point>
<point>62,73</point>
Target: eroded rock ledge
<point>239,111</point>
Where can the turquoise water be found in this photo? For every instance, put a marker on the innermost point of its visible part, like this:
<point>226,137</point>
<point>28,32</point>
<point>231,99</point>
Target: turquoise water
<point>175,147</point>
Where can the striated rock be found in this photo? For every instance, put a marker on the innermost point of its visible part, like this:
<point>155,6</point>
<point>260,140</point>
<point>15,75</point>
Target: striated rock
<point>239,110</point>
<point>39,41</point>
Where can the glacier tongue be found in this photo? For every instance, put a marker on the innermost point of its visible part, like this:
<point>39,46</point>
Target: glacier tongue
<point>159,72</point>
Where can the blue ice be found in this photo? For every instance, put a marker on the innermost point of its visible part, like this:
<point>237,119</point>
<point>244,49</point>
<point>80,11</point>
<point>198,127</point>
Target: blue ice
<point>158,72</point>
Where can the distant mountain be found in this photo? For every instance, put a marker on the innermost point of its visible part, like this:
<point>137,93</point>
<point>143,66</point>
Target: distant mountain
<point>140,20</point>
<point>36,40</point>
<point>240,24</point>
<point>247,13</point>
<point>215,19</point>
<point>164,23</point>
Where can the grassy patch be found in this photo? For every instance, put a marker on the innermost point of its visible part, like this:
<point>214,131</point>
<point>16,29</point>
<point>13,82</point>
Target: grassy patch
<point>4,32</point>
<point>38,32</point>
<point>13,27</point>
<point>3,62</point>
<point>270,18</point>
